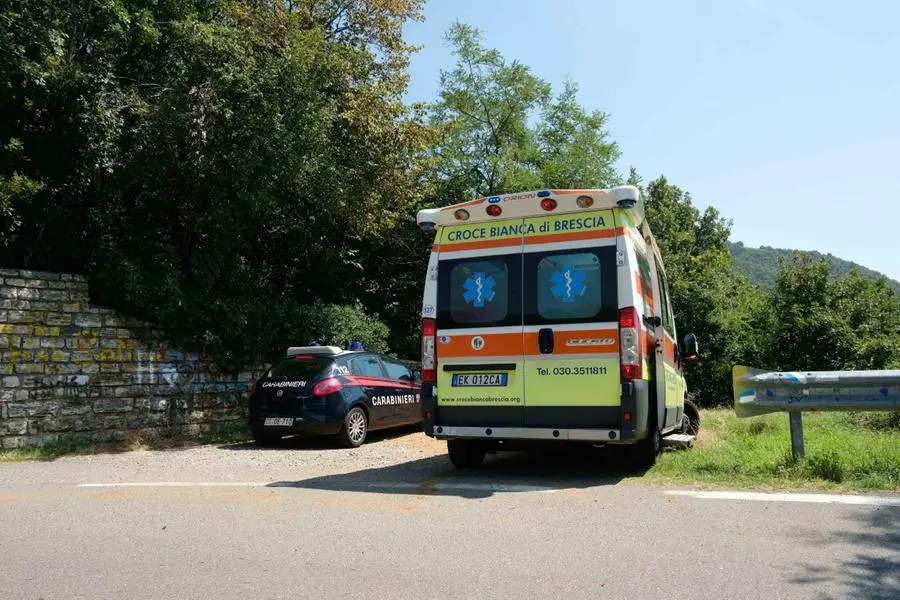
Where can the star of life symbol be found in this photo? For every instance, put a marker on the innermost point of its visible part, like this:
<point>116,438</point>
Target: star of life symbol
<point>479,289</point>
<point>567,284</point>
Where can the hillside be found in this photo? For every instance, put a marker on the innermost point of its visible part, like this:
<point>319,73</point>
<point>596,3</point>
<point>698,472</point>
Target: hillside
<point>762,264</point>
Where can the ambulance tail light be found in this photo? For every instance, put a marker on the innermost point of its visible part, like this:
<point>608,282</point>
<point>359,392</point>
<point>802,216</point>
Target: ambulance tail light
<point>629,344</point>
<point>494,210</point>
<point>429,347</point>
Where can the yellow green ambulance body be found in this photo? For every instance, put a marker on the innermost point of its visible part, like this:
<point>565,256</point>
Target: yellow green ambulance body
<point>546,318</point>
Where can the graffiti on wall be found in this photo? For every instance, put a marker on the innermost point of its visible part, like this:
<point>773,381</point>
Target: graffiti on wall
<point>87,353</point>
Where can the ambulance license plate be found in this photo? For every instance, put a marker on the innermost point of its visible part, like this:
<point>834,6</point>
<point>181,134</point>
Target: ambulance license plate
<point>278,422</point>
<point>479,380</point>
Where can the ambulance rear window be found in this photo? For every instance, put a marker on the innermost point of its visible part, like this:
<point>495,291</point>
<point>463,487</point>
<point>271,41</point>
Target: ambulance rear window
<point>574,286</point>
<point>480,292</point>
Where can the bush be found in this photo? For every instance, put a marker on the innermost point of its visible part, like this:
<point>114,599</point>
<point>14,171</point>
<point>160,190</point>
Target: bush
<point>826,465</point>
<point>338,325</point>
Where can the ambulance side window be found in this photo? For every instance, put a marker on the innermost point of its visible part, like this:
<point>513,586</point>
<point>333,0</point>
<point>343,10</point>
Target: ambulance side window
<point>646,280</point>
<point>666,309</point>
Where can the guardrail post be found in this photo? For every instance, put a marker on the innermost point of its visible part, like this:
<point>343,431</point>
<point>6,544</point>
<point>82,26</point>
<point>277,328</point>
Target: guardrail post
<point>796,434</point>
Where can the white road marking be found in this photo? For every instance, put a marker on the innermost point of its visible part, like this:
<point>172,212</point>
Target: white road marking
<point>791,497</point>
<point>175,484</point>
<point>360,486</point>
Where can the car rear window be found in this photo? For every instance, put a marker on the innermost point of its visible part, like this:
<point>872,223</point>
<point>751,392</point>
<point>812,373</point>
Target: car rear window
<point>300,367</point>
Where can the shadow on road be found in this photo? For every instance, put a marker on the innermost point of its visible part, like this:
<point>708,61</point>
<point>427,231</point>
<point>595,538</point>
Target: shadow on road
<point>324,443</point>
<point>874,571</point>
<point>507,472</point>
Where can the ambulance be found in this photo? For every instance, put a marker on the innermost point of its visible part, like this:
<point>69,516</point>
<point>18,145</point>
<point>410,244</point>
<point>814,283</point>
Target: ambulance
<point>547,319</point>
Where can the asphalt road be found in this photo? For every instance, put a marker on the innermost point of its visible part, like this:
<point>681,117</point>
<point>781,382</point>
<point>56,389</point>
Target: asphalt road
<point>393,520</point>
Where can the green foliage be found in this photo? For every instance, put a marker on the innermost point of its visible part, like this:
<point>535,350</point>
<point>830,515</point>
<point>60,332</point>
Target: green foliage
<point>819,322</point>
<point>708,298</point>
<point>246,175</point>
<point>332,324</point>
<point>762,264</point>
<point>214,167</point>
<point>489,145</point>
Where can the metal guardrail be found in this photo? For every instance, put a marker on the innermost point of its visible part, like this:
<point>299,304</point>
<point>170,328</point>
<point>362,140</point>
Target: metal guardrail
<point>758,392</point>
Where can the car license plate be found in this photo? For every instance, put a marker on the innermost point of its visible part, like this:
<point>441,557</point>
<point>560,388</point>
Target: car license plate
<point>278,422</point>
<point>479,380</point>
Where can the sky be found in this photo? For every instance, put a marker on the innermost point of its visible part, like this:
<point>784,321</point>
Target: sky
<point>783,114</point>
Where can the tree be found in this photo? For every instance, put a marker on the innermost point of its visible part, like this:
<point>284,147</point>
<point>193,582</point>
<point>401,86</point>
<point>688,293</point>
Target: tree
<point>818,322</point>
<point>574,149</point>
<point>709,299</point>
<point>214,167</point>
<point>490,146</point>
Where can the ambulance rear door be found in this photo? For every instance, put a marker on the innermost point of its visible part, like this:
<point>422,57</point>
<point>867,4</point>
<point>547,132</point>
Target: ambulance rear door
<point>480,366</point>
<point>571,322</point>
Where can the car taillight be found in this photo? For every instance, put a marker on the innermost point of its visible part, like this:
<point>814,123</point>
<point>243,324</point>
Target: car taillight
<point>429,347</point>
<point>327,386</point>
<point>629,344</point>
<point>252,388</point>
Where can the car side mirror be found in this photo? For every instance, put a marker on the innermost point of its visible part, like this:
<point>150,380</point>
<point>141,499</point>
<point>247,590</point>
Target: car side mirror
<point>416,376</point>
<point>691,347</point>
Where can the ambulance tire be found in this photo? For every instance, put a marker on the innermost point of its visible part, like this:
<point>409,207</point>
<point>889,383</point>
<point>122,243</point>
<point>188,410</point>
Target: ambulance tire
<point>693,414</point>
<point>465,454</point>
<point>643,454</point>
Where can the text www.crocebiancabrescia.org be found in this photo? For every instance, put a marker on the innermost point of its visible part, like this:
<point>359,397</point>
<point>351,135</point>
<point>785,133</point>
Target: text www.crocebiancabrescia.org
<point>481,400</point>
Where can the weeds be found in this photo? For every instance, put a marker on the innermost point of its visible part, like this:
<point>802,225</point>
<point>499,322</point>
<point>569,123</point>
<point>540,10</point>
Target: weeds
<point>842,452</point>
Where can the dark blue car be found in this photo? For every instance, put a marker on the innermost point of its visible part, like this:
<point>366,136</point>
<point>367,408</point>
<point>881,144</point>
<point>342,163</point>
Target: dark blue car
<point>326,391</point>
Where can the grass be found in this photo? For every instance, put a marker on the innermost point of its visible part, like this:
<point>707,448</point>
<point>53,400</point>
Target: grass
<point>844,451</point>
<point>70,447</point>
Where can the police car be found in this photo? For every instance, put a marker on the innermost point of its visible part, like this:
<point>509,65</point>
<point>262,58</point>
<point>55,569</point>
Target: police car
<point>327,391</point>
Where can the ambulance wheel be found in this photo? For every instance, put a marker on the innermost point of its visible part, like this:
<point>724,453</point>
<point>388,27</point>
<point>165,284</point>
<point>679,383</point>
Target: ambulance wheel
<point>266,439</point>
<point>643,454</point>
<point>465,454</point>
<point>355,429</point>
<point>693,415</point>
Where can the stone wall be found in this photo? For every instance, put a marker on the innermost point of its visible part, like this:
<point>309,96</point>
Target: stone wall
<point>74,371</point>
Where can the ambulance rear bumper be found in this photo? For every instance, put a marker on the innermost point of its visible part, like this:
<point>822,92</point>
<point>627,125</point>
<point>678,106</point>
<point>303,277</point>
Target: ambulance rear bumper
<point>527,433</point>
<point>632,418</point>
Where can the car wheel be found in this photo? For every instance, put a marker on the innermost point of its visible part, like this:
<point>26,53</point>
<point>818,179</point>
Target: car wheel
<point>356,427</point>
<point>266,439</point>
<point>465,454</point>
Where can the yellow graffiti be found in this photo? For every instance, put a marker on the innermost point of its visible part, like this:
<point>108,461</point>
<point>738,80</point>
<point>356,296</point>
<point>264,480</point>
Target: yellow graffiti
<point>46,331</point>
<point>87,339</point>
<point>87,351</point>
